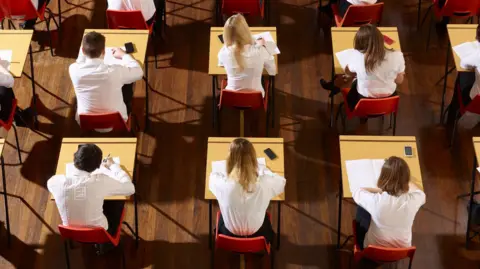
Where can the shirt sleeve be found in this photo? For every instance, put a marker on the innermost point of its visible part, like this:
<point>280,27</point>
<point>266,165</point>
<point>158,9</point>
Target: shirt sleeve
<point>116,181</point>
<point>6,79</point>
<point>274,183</point>
<point>215,184</point>
<point>53,182</point>
<point>470,62</point>
<point>268,61</point>
<point>400,62</point>
<point>365,199</point>
<point>418,197</point>
<point>220,57</point>
<point>130,71</point>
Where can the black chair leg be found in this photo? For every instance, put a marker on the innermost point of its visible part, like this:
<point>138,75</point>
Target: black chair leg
<point>18,144</point>
<point>272,258</point>
<point>66,253</point>
<point>394,123</point>
<point>429,33</point>
<point>454,130</point>
<point>410,263</point>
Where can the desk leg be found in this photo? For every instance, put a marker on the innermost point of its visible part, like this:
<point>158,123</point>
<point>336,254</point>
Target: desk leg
<point>210,225</point>
<point>135,202</point>
<point>272,99</point>
<point>146,93</point>
<point>59,21</point>
<point>278,224</point>
<point>339,227</point>
<point>470,202</point>
<point>214,101</point>
<point>419,13</point>
<point>7,219</point>
<point>331,98</point>
<point>444,86</point>
<point>34,97</point>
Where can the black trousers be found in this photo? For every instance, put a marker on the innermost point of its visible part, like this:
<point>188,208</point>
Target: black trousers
<point>362,219</point>
<point>127,92</point>
<point>113,211</point>
<point>6,100</point>
<point>342,6</point>
<point>265,231</point>
<point>465,81</point>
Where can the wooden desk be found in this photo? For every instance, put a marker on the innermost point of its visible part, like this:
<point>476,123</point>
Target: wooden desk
<point>374,147</point>
<point>5,198</point>
<point>343,37</point>
<point>458,34</point>
<point>472,193</point>
<point>139,38</point>
<point>218,148</point>
<point>125,148</point>
<point>18,41</point>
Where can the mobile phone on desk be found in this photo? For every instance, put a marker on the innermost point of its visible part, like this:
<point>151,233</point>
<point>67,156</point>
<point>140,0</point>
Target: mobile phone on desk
<point>129,48</point>
<point>408,151</point>
<point>270,154</point>
<point>221,38</point>
<point>388,40</point>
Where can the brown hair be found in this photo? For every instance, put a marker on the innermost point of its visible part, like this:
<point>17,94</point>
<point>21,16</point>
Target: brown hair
<point>237,34</point>
<point>242,163</point>
<point>93,45</point>
<point>369,41</point>
<point>394,177</point>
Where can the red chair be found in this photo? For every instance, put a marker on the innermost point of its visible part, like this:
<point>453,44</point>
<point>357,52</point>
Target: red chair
<point>371,108</point>
<point>114,121</point>
<point>242,245</point>
<point>380,254</point>
<point>249,8</point>
<point>452,8</point>
<point>23,10</point>
<point>357,15</point>
<point>242,100</point>
<point>472,107</point>
<point>9,124</point>
<point>132,19</point>
<point>88,235</point>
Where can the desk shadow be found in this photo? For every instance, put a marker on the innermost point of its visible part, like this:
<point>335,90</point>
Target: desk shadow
<point>19,254</point>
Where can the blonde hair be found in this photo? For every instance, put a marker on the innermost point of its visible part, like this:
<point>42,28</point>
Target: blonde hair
<point>394,177</point>
<point>369,41</point>
<point>242,163</point>
<point>237,34</point>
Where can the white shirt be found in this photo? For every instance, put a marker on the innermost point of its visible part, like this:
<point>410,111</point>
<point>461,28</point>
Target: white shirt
<point>6,79</point>
<point>362,2</point>
<point>98,86</point>
<point>79,196</point>
<point>381,82</point>
<point>146,6</point>
<point>473,62</point>
<point>255,57</point>
<point>244,212</point>
<point>392,217</point>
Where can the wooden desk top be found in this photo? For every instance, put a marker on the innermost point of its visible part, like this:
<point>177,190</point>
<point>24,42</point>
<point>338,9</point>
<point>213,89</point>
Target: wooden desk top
<point>476,146</point>
<point>125,148</point>
<point>218,150</point>
<point>2,143</point>
<point>118,38</point>
<point>342,39</point>
<point>216,45</point>
<point>458,34</point>
<point>18,41</point>
<point>378,147</point>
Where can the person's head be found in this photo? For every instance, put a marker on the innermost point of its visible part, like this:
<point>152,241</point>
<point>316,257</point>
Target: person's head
<point>242,162</point>
<point>93,45</point>
<point>369,41</point>
<point>88,157</point>
<point>237,34</point>
<point>394,177</point>
<point>478,33</point>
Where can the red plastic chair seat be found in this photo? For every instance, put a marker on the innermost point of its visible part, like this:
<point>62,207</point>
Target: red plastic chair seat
<point>243,99</point>
<point>457,8</point>
<point>114,120</point>
<point>128,19</point>
<point>8,125</point>
<point>21,10</point>
<point>369,107</point>
<point>357,15</point>
<point>245,7</point>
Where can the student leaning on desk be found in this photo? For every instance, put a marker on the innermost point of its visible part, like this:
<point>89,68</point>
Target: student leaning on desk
<point>385,214</point>
<point>244,191</point>
<point>243,57</point>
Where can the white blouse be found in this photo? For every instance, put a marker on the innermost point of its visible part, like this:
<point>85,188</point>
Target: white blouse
<point>256,57</point>
<point>244,212</point>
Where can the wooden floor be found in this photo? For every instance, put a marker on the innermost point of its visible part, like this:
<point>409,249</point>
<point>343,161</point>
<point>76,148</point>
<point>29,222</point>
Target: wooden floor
<point>172,153</point>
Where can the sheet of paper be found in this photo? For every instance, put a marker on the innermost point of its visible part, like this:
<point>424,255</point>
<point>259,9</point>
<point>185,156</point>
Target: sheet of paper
<point>109,59</point>
<point>363,173</point>
<point>465,49</point>
<point>270,43</point>
<point>221,166</point>
<point>69,168</point>
<point>5,58</point>
<point>346,56</point>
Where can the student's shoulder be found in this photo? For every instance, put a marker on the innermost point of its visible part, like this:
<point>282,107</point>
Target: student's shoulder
<point>55,181</point>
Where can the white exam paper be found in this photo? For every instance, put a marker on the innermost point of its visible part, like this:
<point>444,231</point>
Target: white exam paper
<point>363,173</point>
<point>270,44</point>
<point>346,56</point>
<point>221,166</point>
<point>69,168</point>
<point>465,49</point>
<point>6,58</point>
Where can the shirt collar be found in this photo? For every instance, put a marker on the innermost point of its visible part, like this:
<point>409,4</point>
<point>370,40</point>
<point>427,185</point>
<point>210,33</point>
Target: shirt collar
<point>95,61</point>
<point>79,173</point>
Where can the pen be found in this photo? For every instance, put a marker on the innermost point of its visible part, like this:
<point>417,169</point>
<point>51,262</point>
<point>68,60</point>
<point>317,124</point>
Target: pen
<point>105,160</point>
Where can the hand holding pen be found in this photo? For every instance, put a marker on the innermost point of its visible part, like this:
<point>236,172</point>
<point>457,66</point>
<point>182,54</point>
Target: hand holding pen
<point>108,161</point>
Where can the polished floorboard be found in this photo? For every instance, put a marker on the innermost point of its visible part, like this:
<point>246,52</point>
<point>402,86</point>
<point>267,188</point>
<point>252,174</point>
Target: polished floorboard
<point>172,153</point>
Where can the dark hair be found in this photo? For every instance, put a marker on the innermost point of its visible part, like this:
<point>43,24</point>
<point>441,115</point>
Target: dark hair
<point>88,157</point>
<point>93,44</point>
<point>394,177</point>
<point>478,33</point>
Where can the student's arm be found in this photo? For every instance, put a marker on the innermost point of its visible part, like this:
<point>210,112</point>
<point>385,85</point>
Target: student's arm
<point>130,70</point>
<point>268,61</point>
<point>365,199</point>
<point>373,190</point>
<point>273,182</point>
<point>400,68</point>
<point>349,72</point>
<point>116,181</point>
<point>215,183</point>
<point>6,79</point>
<point>399,79</point>
<point>470,62</point>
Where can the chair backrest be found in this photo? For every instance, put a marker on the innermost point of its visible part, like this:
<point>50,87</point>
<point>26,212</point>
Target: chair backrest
<point>126,19</point>
<point>112,120</point>
<point>357,15</point>
<point>460,8</point>
<point>20,10</point>
<point>473,106</point>
<point>376,107</point>
<point>96,235</point>
<point>242,99</point>
<point>246,7</point>
<point>7,125</point>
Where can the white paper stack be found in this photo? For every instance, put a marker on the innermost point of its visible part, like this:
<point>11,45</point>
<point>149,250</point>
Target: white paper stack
<point>221,166</point>
<point>465,49</point>
<point>363,173</point>
<point>5,59</point>
<point>345,56</point>
<point>270,44</point>
<point>69,168</point>
<point>109,59</point>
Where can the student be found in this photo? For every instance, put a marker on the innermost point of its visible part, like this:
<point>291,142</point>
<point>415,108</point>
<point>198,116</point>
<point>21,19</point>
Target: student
<point>37,4</point>
<point>377,70</point>
<point>469,82</point>
<point>344,4</point>
<point>102,88</point>
<point>243,57</point>
<point>244,192</point>
<point>80,193</point>
<point>146,6</point>
<point>385,214</point>
<point>6,93</point>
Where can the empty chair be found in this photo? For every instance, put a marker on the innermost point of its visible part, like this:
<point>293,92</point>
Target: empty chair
<point>357,15</point>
